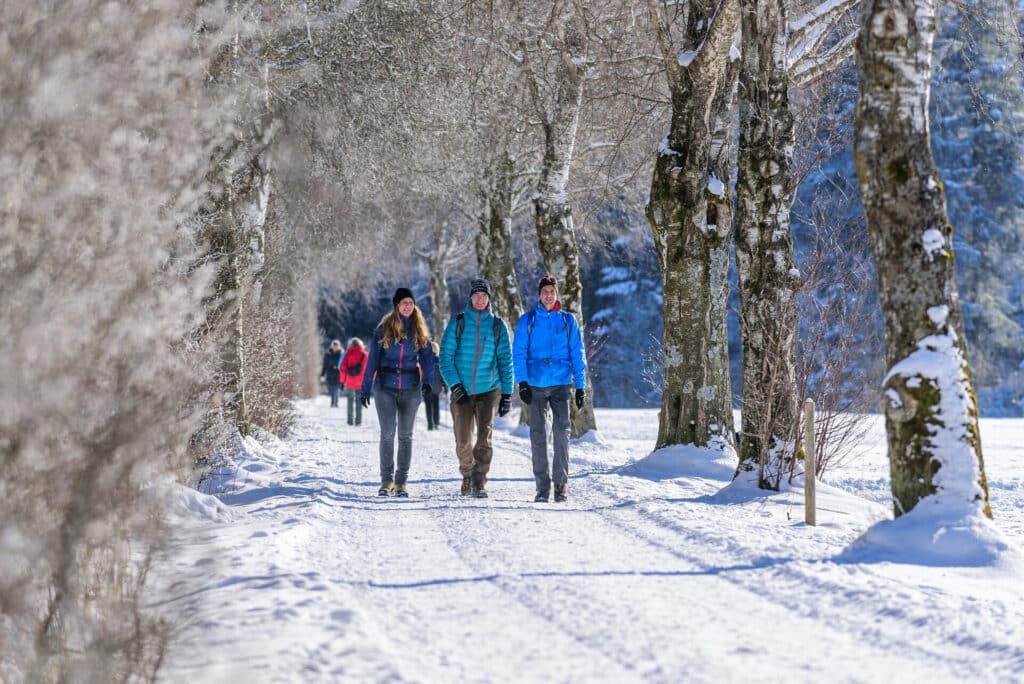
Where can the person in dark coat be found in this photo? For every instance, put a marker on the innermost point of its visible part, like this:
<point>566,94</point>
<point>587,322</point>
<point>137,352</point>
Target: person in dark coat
<point>399,369</point>
<point>329,371</point>
<point>433,402</point>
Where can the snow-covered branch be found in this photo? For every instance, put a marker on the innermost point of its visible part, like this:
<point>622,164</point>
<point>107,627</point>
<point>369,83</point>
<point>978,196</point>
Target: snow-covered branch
<point>814,66</point>
<point>809,31</point>
<point>824,14</point>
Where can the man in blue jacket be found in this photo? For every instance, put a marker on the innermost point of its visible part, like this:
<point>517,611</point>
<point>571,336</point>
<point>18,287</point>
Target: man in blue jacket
<point>549,358</point>
<point>476,363</point>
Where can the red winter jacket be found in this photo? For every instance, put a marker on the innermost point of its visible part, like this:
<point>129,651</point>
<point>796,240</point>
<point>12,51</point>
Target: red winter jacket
<point>355,358</point>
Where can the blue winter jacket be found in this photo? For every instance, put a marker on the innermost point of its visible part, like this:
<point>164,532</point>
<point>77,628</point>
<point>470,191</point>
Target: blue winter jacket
<point>478,365</point>
<point>399,366</point>
<point>548,349</point>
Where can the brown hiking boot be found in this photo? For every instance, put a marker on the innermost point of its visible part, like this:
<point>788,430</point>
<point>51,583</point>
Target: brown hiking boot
<point>466,486</point>
<point>561,492</point>
<point>479,487</point>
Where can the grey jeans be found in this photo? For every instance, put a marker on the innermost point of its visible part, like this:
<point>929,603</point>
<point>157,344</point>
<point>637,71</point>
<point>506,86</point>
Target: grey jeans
<point>355,407</point>
<point>396,409</point>
<point>557,397</point>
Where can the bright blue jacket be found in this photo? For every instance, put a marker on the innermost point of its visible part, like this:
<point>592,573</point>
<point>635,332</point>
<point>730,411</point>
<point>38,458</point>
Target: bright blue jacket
<point>399,366</point>
<point>548,349</point>
<point>478,365</point>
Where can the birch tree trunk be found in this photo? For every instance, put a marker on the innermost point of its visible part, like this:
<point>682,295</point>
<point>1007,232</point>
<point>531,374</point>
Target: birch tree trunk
<point>689,214</point>
<point>556,235</point>
<point>237,243</point>
<point>764,245</point>
<point>930,408</point>
<point>440,297</point>
<point>494,239</point>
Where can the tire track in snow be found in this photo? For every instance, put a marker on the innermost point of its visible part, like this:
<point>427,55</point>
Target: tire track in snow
<point>835,601</point>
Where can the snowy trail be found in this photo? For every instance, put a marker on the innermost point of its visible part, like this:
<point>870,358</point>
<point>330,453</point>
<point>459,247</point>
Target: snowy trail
<point>300,573</point>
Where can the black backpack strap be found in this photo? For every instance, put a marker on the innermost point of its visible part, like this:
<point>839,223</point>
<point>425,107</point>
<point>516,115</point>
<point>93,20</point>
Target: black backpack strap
<point>497,333</point>
<point>460,325</point>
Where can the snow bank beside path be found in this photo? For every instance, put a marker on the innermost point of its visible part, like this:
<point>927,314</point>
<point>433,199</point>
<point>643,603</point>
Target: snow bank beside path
<point>298,572</point>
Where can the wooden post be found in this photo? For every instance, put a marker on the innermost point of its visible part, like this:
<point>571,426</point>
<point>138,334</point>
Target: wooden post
<point>809,499</point>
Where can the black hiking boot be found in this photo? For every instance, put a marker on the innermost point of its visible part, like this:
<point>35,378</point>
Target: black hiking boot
<point>561,493</point>
<point>542,497</point>
<point>467,486</point>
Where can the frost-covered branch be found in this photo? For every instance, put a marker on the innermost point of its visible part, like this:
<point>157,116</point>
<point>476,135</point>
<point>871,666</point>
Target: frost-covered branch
<point>813,67</point>
<point>810,30</point>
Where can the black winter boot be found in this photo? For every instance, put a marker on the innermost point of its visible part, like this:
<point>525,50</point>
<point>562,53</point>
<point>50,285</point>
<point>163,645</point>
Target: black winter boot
<point>561,493</point>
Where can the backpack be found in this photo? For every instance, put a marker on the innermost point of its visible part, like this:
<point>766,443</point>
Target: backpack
<point>356,369</point>
<point>460,325</point>
<point>533,318</point>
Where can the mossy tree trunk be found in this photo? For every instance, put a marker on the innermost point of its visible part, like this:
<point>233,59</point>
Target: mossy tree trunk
<point>690,216</point>
<point>930,407</point>
<point>764,246</point>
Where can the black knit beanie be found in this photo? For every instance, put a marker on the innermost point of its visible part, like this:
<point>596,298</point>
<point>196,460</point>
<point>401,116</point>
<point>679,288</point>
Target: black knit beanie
<point>479,285</point>
<point>400,294</point>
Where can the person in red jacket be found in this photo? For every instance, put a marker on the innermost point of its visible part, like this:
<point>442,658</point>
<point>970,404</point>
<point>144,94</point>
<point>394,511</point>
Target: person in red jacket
<point>351,369</point>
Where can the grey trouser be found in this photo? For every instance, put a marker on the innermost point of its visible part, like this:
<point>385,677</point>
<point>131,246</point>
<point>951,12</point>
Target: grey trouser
<point>396,408</point>
<point>354,405</point>
<point>557,397</point>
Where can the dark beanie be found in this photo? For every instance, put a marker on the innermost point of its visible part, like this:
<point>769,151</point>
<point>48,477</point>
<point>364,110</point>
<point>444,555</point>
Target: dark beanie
<point>400,294</point>
<point>545,281</point>
<point>479,285</point>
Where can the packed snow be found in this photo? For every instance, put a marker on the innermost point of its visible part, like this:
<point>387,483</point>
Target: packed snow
<point>658,569</point>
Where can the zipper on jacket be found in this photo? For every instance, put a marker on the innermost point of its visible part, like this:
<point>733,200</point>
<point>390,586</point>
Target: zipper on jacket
<point>401,354</point>
<point>476,351</point>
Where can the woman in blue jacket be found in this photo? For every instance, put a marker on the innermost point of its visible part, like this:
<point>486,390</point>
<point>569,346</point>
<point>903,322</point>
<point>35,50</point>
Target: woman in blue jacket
<point>549,359</point>
<point>400,368</point>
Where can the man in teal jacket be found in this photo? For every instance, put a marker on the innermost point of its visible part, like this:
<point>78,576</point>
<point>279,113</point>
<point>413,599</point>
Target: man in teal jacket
<point>476,363</point>
<point>549,358</point>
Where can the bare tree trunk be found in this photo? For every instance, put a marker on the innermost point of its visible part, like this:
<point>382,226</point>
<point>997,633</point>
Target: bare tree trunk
<point>437,282</point>
<point>764,245</point>
<point>494,239</point>
<point>237,241</point>
<point>556,235</point>
<point>689,214</point>
<point>930,408</point>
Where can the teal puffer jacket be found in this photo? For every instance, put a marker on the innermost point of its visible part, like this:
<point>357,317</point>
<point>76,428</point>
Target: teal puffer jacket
<point>475,361</point>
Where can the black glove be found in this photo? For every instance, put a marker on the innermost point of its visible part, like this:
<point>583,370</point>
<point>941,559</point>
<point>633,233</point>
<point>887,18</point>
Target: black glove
<point>365,401</point>
<point>525,393</point>
<point>505,405</point>
<point>426,392</point>
<point>459,395</point>
<point>580,395</point>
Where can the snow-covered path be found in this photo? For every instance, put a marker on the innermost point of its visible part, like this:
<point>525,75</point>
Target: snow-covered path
<point>652,572</point>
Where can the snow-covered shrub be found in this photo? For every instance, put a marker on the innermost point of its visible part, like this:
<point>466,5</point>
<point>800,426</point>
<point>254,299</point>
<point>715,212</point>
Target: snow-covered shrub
<point>104,129</point>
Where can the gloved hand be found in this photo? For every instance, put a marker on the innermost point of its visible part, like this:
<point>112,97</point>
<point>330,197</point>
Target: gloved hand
<point>365,401</point>
<point>525,393</point>
<point>459,395</point>
<point>580,395</point>
<point>426,392</point>
<point>505,405</point>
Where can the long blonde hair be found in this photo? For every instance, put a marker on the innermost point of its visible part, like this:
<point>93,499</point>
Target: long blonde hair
<point>395,332</point>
